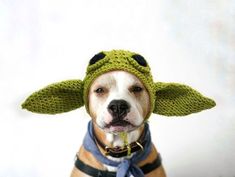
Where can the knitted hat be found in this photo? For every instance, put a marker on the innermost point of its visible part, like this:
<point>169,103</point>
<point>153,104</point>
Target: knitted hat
<point>169,99</point>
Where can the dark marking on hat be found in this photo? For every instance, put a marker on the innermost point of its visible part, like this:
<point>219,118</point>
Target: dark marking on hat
<point>96,58</point>
<point>140,60</point>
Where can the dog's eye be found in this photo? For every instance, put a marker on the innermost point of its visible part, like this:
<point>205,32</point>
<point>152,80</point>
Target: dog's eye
<point>140,60</point>
<point>136,89</point>
<point>96,58</point>
<point>99,90</point>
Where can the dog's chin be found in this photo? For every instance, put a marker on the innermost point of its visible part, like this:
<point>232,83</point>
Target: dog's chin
<point>119,126</point>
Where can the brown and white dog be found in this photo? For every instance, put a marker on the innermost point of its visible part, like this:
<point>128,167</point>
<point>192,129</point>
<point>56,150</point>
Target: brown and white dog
<point>118,137</point>
<point>112,93</point>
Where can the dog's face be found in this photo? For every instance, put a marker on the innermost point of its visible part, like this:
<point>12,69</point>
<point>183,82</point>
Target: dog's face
<point>118,102</point>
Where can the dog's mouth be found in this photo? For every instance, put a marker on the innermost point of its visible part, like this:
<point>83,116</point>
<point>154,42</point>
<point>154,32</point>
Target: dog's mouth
<point>118,123</point>
<point>119,126</point>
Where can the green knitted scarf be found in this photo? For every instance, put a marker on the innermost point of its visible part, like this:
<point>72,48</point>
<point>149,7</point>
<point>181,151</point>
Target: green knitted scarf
<point>169,99</point>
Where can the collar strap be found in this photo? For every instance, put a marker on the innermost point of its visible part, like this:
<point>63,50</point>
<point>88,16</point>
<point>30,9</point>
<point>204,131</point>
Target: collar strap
<point>147,168</point>
<point>123,151</point>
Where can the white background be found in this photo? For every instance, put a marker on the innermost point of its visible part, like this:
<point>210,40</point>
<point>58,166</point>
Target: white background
<point>45,41</point>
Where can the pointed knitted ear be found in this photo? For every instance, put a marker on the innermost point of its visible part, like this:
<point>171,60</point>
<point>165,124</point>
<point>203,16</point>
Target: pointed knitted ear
<point>173,99</point>
<point>56,98</point>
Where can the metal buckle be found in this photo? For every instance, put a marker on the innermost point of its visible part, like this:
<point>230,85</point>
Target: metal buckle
<point>140,145</point>
<point>106,150</point>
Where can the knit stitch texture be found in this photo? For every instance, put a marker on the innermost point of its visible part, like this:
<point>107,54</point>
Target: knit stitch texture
<point>169,99</point>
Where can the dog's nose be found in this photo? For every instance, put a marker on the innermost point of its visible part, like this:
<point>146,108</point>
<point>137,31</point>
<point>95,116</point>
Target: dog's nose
<point>118,108</point>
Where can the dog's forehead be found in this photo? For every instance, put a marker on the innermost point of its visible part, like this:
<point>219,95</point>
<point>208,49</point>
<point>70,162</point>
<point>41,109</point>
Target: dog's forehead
<point>116,78</point>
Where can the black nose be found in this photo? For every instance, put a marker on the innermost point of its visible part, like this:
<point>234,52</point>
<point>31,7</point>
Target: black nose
<point>118,108</point>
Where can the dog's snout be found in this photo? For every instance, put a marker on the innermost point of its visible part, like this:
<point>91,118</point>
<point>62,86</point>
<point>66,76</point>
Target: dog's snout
<point>118,108</point>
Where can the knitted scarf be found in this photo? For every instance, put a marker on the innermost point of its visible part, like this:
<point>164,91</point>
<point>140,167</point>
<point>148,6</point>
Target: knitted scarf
<point>125,168</point>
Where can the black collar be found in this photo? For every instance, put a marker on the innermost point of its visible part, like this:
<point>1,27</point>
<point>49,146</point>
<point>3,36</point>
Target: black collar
<point>147,168</point>
<point>123,151</point>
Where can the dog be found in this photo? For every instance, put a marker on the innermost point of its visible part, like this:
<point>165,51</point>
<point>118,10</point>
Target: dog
<point>120,95</point>
<point>118,102</point>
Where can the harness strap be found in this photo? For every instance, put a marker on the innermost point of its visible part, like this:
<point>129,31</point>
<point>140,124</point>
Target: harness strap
<point>147,168</point>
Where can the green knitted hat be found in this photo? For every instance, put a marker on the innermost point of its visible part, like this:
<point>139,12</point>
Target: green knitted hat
<point>169,99</point>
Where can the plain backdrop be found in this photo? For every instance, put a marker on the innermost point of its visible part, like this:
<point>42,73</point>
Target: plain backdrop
<point>46,41</point>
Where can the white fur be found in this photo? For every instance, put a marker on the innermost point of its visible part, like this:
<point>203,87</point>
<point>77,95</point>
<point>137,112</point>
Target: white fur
<point>117,84</point>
